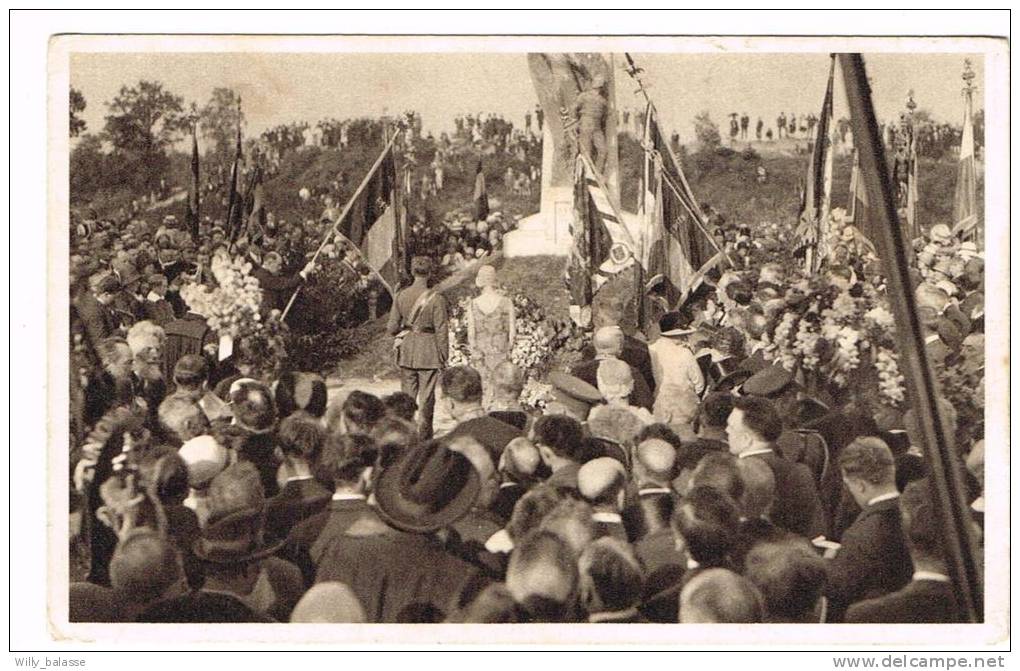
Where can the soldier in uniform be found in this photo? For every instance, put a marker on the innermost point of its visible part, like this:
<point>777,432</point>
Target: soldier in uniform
<point>590,108</point>
<point>418,323</point>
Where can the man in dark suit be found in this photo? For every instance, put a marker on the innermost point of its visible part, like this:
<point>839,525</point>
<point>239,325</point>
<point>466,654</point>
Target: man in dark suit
<point>96,312</point>
<point>652,472</point>
<point>608,344</point>
<point>929,596</point>
<point>418,323</point>
<point>559,442</point>
<point>276,287</point>
<point>752,428</point>
<point>300,440</point>
<point>873,559</point>
<point>347,461</point>
<point>611,582</point>
<point>395,563</point>
<point>601,482</point>
<point>633,351</point>
<point>462,394</point>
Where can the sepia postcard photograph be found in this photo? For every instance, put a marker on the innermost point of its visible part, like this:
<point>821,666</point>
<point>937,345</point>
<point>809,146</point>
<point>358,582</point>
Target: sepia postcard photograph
<point>586,339</point>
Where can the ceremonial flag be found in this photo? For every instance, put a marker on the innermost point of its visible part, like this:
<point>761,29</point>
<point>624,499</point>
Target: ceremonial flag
<point>480,195</point>
<point>235,204</point>
<point>818,185</point>
<point>913,228</point>
<point>192,217</point>
<point>371,220</point>
<point>672,249</point>
<point>255,207</point>
<point>965,198</point>
<point>602,245</point>
<point>858,211</point>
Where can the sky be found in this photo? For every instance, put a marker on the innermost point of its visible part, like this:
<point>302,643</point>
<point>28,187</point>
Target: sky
<point>284,87</point>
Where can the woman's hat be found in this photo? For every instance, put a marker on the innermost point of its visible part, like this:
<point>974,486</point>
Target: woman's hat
<point>486,277</point>
<point>427,489</point>
<point>676,324</point>
<point>235,538</point>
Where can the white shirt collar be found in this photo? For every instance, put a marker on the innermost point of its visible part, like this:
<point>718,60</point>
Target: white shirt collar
<point>884,497</point>
<point>751,453</point>
<point>344,496</point>
<point>932,338</point>
<point>298,478</point>
<point>606,516</point>
<point>654,490</point>
<point>934,576</point>
<point>692,564</point>
<point>612,615</point>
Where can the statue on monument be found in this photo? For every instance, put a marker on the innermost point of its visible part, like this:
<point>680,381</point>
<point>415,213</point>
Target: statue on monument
<point>591,108</point>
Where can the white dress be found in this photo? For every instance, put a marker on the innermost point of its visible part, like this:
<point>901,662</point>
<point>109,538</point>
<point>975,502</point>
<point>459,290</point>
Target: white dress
<point>678,382</point>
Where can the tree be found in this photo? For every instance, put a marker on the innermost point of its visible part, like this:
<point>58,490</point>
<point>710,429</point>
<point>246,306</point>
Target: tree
<point>77,107</point>
<point>143,123</point>
<point>219,120</point>
<point>707,131</point>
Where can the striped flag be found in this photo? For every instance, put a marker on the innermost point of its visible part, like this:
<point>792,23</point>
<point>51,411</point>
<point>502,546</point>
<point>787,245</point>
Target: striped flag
<point>672,248</point>
<point>602,245</point>
<point>818,185</point>
<point>371,222</point>
<point>965,198</point>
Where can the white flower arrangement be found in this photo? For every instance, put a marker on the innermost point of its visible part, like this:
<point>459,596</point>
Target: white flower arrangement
<point>231,307</point>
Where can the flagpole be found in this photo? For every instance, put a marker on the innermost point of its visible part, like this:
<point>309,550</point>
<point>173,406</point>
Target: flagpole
<point>945,477</point>
<point>332,230</point>
<point>634,71</point>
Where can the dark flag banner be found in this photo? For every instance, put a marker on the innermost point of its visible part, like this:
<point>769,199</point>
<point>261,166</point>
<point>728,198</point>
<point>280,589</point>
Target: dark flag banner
<point>371,222</point>
<point>235,203</point>
<point>602,245</point>
<point>673,248</point>
<point>254,207</point>
<point>814,209</point>
<point>192,217</point>
<point>858,211</point>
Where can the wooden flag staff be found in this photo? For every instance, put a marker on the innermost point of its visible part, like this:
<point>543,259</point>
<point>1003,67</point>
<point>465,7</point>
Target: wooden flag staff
<point>332,229</point>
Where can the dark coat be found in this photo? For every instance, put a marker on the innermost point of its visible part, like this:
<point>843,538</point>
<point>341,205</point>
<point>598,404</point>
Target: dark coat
<point>276,289</point>
<point>426,346</point>
<point>391,572</point>
<point>873,560</point>
<point>201,607</point>
<point>303,546</point>
<point>920,601</point>
<point>259,449</point>
<point>298,500</point>
<point>641,396</point>
<point>648,513</point>
<point>97,319</point>
<point>796,507</point>
<point>502,505</point>
<point>489,431</point>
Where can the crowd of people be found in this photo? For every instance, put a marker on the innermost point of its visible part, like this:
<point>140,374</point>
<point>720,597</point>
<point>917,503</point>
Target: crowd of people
<point>689,479</point>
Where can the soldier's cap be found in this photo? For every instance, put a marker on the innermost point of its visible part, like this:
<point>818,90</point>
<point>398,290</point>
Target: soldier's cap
<point>576,394</point>
<point>767,382</point>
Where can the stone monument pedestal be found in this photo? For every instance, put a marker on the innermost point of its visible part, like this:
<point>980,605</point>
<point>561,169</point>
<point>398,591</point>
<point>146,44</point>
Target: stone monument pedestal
<point>548,231</point>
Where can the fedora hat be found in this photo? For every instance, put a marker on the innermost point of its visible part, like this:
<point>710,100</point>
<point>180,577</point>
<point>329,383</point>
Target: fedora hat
<point>235,538</point>
<point>426,489</point>
<point>676,324</point>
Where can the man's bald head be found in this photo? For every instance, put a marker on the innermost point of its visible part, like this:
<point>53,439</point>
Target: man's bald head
<point>601,481</point>
<point>144,566</point>
<point>720,596</point>
<point>520,458</point>
<point>329,602</point>
<point>608,340</point>
<point>654,462</point>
